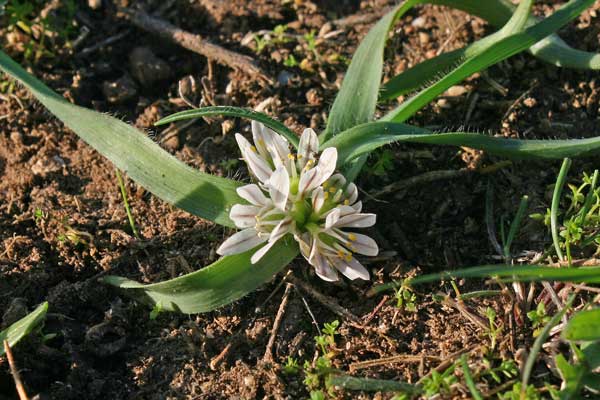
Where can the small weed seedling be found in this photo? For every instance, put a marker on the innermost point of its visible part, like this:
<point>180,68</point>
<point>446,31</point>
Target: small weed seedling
<point>538,318</point>
<point>317,376</point>
<point>406,299</point>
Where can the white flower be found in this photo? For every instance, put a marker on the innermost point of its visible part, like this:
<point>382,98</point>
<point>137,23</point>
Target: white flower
<point>299,194</point>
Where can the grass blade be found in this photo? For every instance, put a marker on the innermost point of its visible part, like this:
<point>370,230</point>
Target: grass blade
<point>131,151</point>
<point>368,137</point>
<point>372,385</point>
<point>558,187</point>
<point>23,327</point>
<point>216,285</point>
<point>585,325</point>
<point>493,54</point>
<point>464,362</point>
<point>233,112</point>
<point>523,273</point>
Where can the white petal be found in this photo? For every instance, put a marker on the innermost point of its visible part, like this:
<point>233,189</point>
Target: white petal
<point>356,221</point>
<point>322,267</point>
<point>279,187</point>
<point>357,206</point>
<point>327,163</point>
<point>281,229</point>
<point>253,195</point>
<point>308,181</point>
<point>332,218</point>
<point>242,142</point>
<point>304,241</point>
<point>277,146</point>
<point>259,138</point>
<point>309,145</point>
<point>351,269</point>
<point>258,166</point>
<point>240,242</point>
<point>352,193</point>
<point>318,199</point>
<point>261,252</point>
<point>364,245</point>
<point>244,216</point>
<point>346,210</point>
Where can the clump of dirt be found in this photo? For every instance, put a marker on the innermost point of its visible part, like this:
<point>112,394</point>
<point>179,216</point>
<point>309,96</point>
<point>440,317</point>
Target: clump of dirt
<point>63,224</point>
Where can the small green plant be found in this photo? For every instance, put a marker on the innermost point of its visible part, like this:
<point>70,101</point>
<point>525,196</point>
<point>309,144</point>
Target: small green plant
<point>383,162</point>
<point>406,299</point>
<point>538,318</point>
<point>494,328</point>
<point>291,366</point>
<point>439,383</point>
<point>319,376</point>
<point>579,229</point>
<point>156,310</point>
<point>507,369</point>
<point>516,392</point>
<point>290,61</point>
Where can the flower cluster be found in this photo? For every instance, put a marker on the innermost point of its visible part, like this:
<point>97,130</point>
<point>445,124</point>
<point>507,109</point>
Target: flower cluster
<point>300,194</point>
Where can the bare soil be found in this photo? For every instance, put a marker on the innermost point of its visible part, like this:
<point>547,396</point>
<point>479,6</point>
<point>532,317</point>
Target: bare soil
<point>63,224</point>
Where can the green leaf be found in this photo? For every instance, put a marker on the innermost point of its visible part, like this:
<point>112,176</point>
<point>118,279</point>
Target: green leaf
<point>493,54</point>
<point>233,112</point>
<point>585,325</point>
<point>23,327</point>
<point>551,49</point>
<point>368,137</point>
<point>420,74</point>
<point>204,195</point>
<point>372,385</point>
<point>355,102</point>
<point>216,285</point>
<point>523,273</point>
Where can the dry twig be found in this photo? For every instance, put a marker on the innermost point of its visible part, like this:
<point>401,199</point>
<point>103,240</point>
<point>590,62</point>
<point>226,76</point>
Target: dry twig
<point>15,372</point>
<point>268,357</point>
<point>194,43</point>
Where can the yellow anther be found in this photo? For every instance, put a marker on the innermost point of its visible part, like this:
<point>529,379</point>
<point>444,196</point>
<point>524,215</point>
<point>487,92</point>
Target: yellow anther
<point>351,237</point>
<point>253,148</point>
<point>299,156</point>
<point>326,185</point>
<point>290,156</point>
<point>346,202</point>
<point>332,190</point>
<point>348,257</point>
<point>310,163</point>
<point>341,254</point>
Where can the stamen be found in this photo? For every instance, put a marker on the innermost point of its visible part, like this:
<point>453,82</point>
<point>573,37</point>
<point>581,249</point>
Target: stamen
<point>290,156</point>
<point>352,237</point>
<point>332,190</point>
<point>348,257</point>
<point>253,148</point>
<point>346,202</point>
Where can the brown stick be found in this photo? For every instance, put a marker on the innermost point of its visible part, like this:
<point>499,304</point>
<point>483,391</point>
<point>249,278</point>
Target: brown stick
<point>15,372</point>
<point>194,43</point>
<point>268,357</point>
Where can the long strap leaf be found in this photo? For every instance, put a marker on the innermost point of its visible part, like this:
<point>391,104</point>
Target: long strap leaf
<point>418,76</point>
<point>514,273</point>
<point>234,112</point>
<point>493,54</point>
<point>23,327</point>
<point>204,195</point>
<point>365,138</point>
<point>216,285</point>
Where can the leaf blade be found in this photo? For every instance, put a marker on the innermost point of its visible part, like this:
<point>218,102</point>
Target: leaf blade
<point>585,325</point>
<point>233,112</point>
<point>23,327</point>
<point>131,151</point>
<point>214,286</point>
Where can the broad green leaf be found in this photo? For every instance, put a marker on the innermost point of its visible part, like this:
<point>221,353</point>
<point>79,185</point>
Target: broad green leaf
<point>585,325</point>
<point>216,285</point>
<point>514,273</point>
<point>368,137</point>
<point>23,327</point>
<point>234,112</point>
<point>493,54</point>
<point>355,102</point>
<point>551,49</point>
<point>204,195</point>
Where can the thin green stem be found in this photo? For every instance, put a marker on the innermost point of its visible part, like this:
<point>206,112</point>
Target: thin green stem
<point>126,204</point>
<point>560,183</point>
<point>469,378</point>
<point>537,345</point>
<point>589,198</point>
<point>514,226</point>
